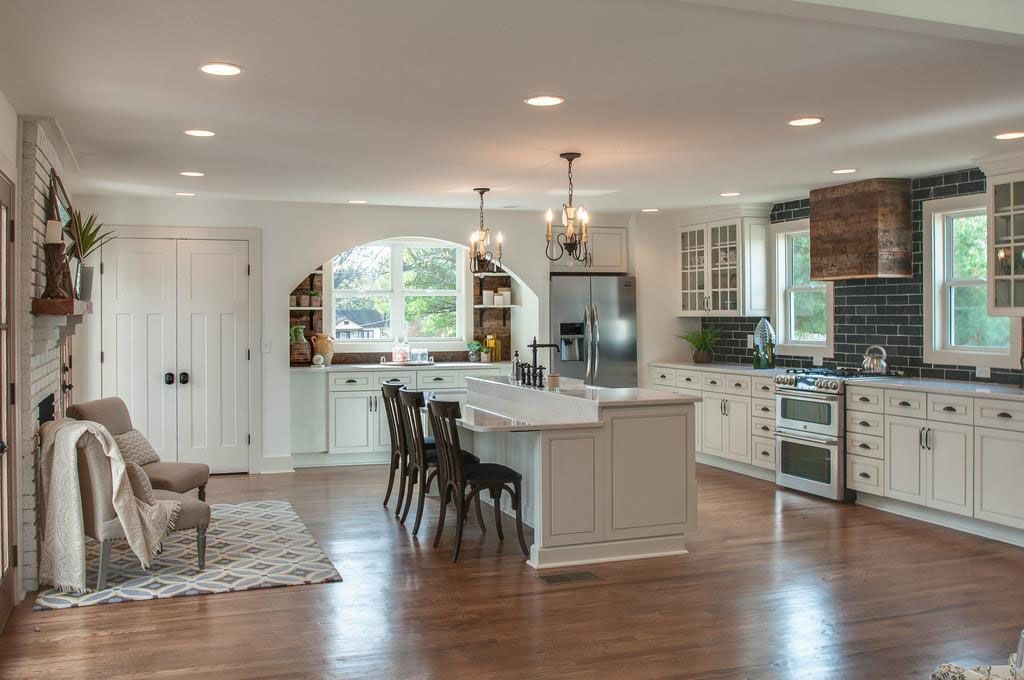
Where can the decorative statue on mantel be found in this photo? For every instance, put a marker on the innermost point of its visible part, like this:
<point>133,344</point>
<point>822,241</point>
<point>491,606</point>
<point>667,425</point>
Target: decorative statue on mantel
<point>58,273</point>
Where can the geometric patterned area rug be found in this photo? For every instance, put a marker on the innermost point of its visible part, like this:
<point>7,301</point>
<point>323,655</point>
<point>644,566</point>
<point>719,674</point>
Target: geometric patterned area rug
<point>258,544</point>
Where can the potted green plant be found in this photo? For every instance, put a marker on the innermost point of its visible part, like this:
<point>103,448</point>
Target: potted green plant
<point>703,340</point>
<point>314,297</point>
<point>474,347</point>
<point>87,237</point>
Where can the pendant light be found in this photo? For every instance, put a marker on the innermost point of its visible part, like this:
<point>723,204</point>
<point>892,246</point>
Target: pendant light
<point>481,258</point>
<point>572,240</point>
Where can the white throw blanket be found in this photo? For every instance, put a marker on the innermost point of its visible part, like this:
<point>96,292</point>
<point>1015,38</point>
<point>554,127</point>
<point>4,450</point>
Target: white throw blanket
<point>62,522</point>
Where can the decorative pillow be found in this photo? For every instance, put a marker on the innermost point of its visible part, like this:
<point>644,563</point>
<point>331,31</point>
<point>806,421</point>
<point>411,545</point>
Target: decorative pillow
<point>141,486</point>
<point>136,448</point>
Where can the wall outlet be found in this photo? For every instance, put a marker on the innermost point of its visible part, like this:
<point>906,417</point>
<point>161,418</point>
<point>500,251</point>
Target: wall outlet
<point>983,372</point>
<point>818,361</point>
<point>750,342</point>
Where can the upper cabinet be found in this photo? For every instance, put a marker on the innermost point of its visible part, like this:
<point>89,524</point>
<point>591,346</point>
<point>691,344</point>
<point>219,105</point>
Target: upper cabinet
<point>609,253</point>
<point>723,268</point>
<point>1006,249</point>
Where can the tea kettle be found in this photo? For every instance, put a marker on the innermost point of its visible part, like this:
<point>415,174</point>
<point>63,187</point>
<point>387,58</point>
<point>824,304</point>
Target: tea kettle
<point>874,360</point>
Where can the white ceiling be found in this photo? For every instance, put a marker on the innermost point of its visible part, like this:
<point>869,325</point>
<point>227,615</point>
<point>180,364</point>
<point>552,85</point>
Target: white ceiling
<point>414,103</point>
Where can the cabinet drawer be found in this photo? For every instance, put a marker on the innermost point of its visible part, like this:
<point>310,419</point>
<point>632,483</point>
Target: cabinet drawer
<point>763,387</point>
<point>763,408</point>
<point>951,409</point>
<point>350,382</point>
<point>864,399</point>
<point>903,403</point>
<point>713,382</point>
<point>865,423</point>
<point>865,445</point>
<point>762,427</point>
<point>764,452</point>
<point>689,379</point>
<point>865,474</point>
<point>407,379</point>
<point>437,379</point>
<point>999,414</point>
<point>663,376</point>
<point>738,384</point>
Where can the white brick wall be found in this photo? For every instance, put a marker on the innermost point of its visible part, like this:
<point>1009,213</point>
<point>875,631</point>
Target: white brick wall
<point>38,373</point>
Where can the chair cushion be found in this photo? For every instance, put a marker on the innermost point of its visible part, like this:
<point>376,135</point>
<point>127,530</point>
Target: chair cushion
<point>490,472</point>
<point>111,413</point>
<point>467,457</point>
<point>136,448</point>
<point>194,513</point>
<point>177,477</point>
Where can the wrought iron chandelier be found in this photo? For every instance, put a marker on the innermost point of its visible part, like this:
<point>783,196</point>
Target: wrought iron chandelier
<point>571,242</point>
<point>481,259</point>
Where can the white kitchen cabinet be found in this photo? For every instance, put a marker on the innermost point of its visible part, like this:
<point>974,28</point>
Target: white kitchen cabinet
<point>1006,241</point>
<point>308,412</point>
<point>726,427</point>
<point>950,467</point>
<point>723,268</point>
<point>763,453</point>
<point>998,476</point>
<point>608,248</point>
<point>698,417</point>
<point>352,422</point>
<point>713,424</point>
<point>904,459</point>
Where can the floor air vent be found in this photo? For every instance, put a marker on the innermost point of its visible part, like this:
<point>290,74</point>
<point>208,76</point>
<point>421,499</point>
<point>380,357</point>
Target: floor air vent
<point>570,577</point>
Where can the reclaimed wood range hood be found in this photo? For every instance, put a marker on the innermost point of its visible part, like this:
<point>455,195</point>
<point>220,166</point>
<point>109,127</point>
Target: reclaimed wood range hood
<point>861,230</point>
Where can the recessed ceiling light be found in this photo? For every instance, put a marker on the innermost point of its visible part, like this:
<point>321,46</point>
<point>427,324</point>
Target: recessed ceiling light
<point>183,193</point>
<point>1010,135</point>
<point>200,133</point>
<point>844,171</point>
<point>220,68</point>
<point>729,194</point>
<point>648,210</point>
<point>357,202</point>
<point>805,121</point>
<point>192,173</point>
<point>544,100</point>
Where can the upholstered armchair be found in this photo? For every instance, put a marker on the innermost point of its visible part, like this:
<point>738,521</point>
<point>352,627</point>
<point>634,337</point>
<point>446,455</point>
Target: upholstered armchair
<point>166,476</point>
<point>101,522</point>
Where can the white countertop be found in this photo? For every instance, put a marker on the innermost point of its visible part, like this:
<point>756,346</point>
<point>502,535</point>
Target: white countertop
<point>478,419</point>
<point>602,396</point>
<point>441,365</point>
<point>721,368</point>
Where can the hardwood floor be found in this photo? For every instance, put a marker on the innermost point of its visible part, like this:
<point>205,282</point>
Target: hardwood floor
<point>777,585</point>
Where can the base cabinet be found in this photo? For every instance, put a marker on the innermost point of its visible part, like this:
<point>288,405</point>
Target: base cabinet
<point>950,468</point>
<point>726,427</point>
<point>352,422</point>
<point>904,459</point>
<point>998,476</point>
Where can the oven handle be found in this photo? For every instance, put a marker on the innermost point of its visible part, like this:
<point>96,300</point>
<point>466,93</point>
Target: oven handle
<point>805,437</point>
<point>810,396</point>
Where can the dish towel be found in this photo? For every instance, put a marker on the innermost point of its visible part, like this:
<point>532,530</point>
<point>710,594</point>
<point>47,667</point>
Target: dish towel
<point>62,524</point>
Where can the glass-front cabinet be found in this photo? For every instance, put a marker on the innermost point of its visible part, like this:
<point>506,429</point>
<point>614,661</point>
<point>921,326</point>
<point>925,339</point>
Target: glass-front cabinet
<point>1006,245</point>
<point>722,268</point>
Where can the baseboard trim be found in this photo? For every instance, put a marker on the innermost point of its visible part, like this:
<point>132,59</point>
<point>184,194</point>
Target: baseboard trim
<point>276,465</point>
<point>949,520</point>
<point>312,460</point>
<point>734,466</point>
<point>613,551</point>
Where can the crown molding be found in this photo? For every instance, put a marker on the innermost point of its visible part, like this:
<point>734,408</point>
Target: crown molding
<point>713,213</point>
<point>1001,164</point>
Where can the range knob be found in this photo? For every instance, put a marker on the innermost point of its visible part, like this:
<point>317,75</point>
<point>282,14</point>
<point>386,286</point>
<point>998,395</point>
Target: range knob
<point>821,384</point>
<point>834,385</point>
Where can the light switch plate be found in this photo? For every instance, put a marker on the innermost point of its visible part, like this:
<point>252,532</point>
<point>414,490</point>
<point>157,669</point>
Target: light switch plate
<point>750,342</point>
<point>983,371</point>
<point>818,361</point>
<point>265,345</point>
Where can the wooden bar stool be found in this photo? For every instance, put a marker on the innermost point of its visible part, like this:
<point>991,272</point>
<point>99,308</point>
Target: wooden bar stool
<point>455,477</point>
<point>421,456</point>
<point>399,453</point>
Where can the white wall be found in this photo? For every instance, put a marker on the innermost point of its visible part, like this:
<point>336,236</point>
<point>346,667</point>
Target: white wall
<point>297,237</point>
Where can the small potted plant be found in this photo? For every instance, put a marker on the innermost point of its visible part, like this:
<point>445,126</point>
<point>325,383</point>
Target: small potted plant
<point>314,298</point>
<point>474,347</point>
<point>87,237</point>
<point>303,299</point>
<point>703,341</point>
<point>293,300</point>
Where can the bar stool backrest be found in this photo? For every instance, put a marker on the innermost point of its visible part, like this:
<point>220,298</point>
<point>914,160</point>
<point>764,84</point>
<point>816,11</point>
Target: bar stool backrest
<point>443,419</point>
<point>390,391</point>
<point>411,421</point>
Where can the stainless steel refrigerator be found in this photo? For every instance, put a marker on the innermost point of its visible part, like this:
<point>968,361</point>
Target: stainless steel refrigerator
<point>593,322</point>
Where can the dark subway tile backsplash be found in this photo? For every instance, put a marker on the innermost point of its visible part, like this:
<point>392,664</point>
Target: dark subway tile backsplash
<point>887,312</point>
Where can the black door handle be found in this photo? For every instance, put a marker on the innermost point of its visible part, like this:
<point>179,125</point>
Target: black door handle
<point>168,378</point>
<point>183,378</point>
<point>3,448</point>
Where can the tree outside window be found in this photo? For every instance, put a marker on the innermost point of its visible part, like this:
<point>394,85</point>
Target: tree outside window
<point>806,312</point>
<point>968,324</point>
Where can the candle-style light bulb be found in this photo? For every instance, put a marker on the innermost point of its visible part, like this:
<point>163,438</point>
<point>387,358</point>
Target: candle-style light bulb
<point>501,238</point>
<point>548,217</point>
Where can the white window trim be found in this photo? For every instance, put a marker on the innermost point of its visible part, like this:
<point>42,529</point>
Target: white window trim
<point>463,291</point>
<point>824,350</point>
<point>934,214</point>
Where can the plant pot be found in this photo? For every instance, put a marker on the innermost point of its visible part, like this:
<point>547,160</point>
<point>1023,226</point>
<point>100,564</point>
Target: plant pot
<point>303,301</point>
<point>474,357</point>
<point>703,356</point>
<point>83,283</point>
<point>315,301</point>
<point>293,300</point>
<point>485,357</point>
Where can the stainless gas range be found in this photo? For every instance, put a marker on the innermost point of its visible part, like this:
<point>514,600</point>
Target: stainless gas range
<point>810,431</point>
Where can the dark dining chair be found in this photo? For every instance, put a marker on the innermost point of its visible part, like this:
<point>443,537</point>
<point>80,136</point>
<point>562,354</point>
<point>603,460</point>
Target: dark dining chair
<point>421,458</point>
<point>390,390</point>
<point>456,477</point>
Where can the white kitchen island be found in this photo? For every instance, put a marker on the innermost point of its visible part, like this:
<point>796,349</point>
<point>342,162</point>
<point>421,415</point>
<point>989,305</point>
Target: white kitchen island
<point>608,473</point>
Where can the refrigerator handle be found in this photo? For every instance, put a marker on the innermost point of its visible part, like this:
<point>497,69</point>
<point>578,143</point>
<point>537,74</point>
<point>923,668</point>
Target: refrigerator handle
<point>597,340</point>
<point>586,339</point>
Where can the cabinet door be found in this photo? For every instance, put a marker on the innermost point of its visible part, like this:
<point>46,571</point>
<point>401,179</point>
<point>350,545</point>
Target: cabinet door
<point>904,460</point>
<point>724,262</point>
<point>382,441</point>
<point>737,429</point>
<point>1005,240</point>
<point>950,458</point>
<point>754,274</point>
<point>351,423</point>
<point>609,250</point>
<point>998,477</point>
<point>698,417</point>
<point>713,426</point>
<point>308,412</point>
<point>692,268</point>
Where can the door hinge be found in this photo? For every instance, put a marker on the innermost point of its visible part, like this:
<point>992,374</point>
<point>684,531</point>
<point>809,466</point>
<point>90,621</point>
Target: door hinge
<point>101,269</point>
<point>248,270</point>
<point>101,357</point>
<point>10,231</point>
<point>248,355</point>
<point>11,393</point>
<point>248,439</point>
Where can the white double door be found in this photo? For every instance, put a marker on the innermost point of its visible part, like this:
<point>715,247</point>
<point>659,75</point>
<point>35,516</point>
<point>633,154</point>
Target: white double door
<point>175,331</point>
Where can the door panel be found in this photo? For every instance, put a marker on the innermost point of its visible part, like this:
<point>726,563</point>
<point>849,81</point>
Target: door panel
<point>7,526</point>
<point>138,338</point>
<point>613,299</point>
<point>713,426</point>
<point>951,468</point>
<point>351,422</point>
<point>904,460</point>
<point>570,297</point>
<point>213,332</point>
<point>737,429</point>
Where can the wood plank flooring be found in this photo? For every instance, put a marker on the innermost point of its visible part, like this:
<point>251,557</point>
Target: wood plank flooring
<point>777,585</point>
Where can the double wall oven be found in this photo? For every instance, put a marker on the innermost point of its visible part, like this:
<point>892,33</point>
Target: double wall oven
<point>809,434</point>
